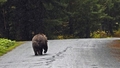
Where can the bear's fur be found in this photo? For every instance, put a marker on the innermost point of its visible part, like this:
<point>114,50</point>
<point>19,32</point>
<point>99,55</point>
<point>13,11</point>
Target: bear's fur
<point>39,43</point>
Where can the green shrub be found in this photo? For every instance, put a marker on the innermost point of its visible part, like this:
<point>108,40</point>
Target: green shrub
<point>65,36</point>
<point>2,49</point>
<point>117,33</point>
<point>5,44</point>
<point>99,34</point>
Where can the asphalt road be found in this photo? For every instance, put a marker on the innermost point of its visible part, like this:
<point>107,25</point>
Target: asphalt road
<point>69,53</point>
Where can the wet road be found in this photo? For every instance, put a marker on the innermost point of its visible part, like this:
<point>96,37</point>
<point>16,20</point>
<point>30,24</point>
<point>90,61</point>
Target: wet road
<point>71,53</point>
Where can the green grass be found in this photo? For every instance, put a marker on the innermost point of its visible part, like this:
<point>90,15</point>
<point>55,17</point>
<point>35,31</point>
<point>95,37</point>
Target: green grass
<point>7,45</point>
<point>15,45</point>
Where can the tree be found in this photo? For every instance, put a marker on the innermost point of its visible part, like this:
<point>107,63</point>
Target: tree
<point>21,19</point>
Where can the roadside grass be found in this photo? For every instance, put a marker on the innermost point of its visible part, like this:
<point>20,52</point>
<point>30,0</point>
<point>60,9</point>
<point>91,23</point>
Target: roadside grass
<point>18,43</point>
<point>8,45</point>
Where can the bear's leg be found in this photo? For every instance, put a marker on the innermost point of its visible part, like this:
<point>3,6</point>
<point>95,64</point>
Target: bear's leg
<point>35,51</point>
<point>45,48</point>
<point>35,47</point>
<point>40,51</point>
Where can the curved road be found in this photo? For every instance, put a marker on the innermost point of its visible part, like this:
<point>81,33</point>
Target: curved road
<point>69,53</point>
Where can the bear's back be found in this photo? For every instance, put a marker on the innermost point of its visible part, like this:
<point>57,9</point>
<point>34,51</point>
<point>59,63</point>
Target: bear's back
<point>41,38</point>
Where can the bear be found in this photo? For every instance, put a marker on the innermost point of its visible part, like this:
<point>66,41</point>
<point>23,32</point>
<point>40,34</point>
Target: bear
<point>39,43</point>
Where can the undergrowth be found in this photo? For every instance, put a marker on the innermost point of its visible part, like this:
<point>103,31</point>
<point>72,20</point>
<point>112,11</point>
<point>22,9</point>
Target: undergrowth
<point>7,45</point>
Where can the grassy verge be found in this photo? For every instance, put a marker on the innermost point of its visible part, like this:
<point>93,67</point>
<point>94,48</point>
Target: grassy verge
<point>14,46</point>
<point>5,49</point>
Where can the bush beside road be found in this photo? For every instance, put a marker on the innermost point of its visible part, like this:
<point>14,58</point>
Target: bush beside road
<point>7,45</point>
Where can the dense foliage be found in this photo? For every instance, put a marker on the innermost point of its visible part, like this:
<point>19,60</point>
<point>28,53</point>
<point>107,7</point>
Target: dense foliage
<point>21,19</point>
<point>5,44</point>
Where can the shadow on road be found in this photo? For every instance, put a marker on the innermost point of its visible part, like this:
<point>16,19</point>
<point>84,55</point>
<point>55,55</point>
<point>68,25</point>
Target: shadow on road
<point>40,55</point>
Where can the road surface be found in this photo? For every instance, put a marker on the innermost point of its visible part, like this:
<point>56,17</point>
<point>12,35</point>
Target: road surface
<point>69,53</point>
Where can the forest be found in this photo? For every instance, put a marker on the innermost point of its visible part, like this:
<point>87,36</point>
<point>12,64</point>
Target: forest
<point>59,19</point>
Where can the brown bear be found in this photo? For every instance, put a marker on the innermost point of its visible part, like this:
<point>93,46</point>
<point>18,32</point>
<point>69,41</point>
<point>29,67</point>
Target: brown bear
<point>39,43</point>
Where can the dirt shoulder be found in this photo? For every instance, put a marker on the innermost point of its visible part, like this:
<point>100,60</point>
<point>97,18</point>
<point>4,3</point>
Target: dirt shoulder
<point>115,49</point>
<point>115,44</point>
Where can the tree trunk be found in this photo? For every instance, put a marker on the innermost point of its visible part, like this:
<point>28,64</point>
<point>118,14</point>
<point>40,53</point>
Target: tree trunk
<point>87,31</point>
<point>111,29</point>
<point>71,26</point>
